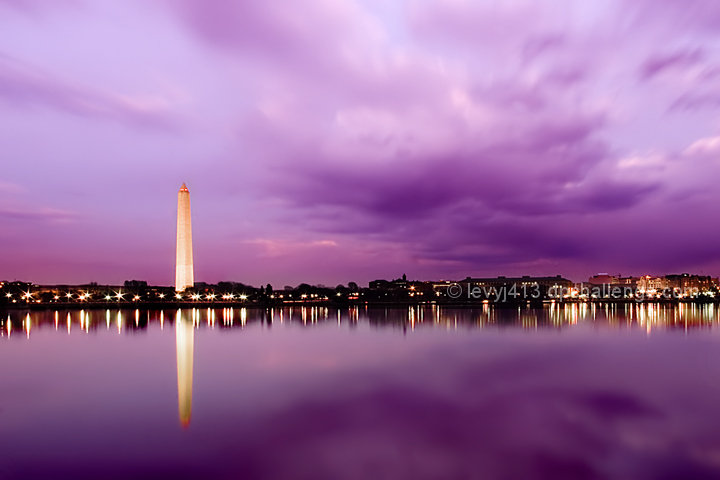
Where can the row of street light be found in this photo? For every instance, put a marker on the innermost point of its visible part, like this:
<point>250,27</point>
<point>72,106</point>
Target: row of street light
<point>118,296</point>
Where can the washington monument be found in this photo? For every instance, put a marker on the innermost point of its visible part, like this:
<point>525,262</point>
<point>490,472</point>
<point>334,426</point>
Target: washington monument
<point>184,259</point>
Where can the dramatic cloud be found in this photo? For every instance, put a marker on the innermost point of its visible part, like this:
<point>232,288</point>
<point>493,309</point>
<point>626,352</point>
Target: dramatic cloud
<point>22,85</point>
<point>330,141</point>
<point>659,63</point>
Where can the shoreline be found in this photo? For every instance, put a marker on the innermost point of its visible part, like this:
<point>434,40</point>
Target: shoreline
<point>393,304</point>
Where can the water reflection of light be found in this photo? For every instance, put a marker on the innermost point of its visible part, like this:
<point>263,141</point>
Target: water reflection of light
<point>571,314</point>
<point>184,345</point>
<point>528,319</point>
<point>555,314</point>
<point>645,317</point>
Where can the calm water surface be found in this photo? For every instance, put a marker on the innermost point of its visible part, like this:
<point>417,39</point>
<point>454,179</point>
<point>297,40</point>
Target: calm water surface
<point>605,391</point>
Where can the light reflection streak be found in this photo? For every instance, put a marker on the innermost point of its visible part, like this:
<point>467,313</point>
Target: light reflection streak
<point>644,317</point>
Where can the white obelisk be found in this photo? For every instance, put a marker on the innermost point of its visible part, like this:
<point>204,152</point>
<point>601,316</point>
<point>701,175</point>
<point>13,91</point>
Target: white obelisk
<point>184,259</point>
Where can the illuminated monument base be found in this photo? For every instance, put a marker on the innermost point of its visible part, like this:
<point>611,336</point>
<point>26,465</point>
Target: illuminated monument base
<point>184,259</point>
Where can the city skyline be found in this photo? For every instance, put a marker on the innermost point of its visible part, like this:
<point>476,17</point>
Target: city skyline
<point>436,139</point>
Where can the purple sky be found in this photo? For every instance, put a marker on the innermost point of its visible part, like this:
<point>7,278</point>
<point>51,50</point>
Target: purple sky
<point>332,141</point>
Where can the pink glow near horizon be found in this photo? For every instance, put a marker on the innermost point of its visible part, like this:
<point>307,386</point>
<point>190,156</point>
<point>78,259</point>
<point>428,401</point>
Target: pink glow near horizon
<point>333,141</point>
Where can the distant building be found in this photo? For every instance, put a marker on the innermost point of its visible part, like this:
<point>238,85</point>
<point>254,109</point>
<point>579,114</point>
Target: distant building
<point>652,284</point>
<point>379,284</point>
<point>516,289</point>
<point>602,279</point>
<point>628,281</point>
<point>613,280</point>
<point>399,283</point>
<point>687,283</point>
<point>549,282</point>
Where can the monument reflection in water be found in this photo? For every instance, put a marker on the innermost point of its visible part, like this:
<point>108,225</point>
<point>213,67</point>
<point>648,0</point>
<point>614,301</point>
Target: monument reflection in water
<point>184,344</point>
